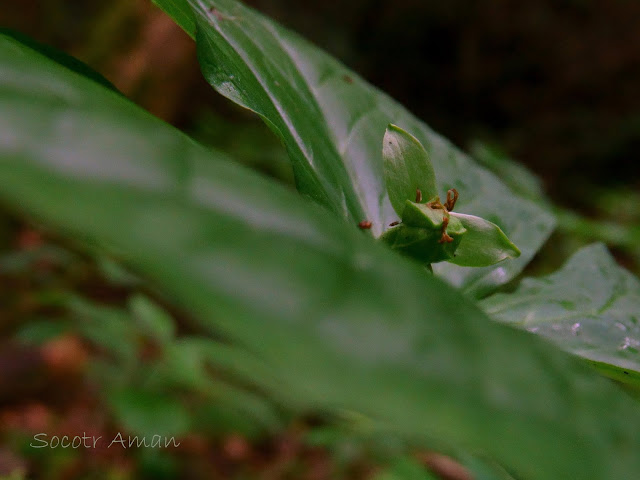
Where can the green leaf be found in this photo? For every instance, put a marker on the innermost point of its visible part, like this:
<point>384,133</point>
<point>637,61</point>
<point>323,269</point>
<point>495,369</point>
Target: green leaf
<point>331,122</point>
<point>148,414</point>
<point>484,243</point>
<point>180,12</point>
<point>156,323</point>
<point>108,328</point>
<point>61,58</point>
<point>187,363</point>
<point>156,463</point>
<point>115,273</point>
<point>406,168</point>
<point>338,321</point>
<point>405,468</point>
<point>591,307</point>
<point>40,331</point>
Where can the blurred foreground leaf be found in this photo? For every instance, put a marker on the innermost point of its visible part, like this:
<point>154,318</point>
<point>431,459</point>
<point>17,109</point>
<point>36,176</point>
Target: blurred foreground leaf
<point>149,415</point>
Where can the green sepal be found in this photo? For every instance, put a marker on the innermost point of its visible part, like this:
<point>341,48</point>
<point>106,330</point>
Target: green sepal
<point>484,244</point>
<point>422,215</point>
<point>406,167</point>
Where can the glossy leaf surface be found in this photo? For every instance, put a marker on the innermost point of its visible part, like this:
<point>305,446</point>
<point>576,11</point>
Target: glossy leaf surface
<point>331,122</point>
<point>333,320</point>
<point>590,307</point>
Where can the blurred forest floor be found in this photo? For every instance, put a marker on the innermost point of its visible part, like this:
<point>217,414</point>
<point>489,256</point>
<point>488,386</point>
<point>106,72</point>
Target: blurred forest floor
<point>553,84</point>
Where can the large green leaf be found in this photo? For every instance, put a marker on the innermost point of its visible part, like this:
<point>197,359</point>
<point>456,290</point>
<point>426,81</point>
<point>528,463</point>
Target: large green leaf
<point>334,320</point>
<point>58,56</point>
<point>332,122</point>
<point>591,307</point>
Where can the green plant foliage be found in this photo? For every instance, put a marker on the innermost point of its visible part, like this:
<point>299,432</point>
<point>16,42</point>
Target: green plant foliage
<point>181,365</point>
<point>109,329</point>
<point>254,145</point>
<point>405,468</point>
<point>61,58</point>
<point>17,262</point>
<point>618,210</point>
<point>337,321</point>
<point>147,414</point>
<point>188,363</point>
<point>484,243</point>
<point>40,331</point>
<point>153,320</point>
<point>331,122</point>
<point>591,307</point>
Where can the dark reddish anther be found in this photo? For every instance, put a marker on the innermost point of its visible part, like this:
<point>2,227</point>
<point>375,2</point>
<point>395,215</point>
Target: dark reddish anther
<point>365,225</point>
<point>418,195</point>
<point>445,238</point>
<point>435,205</point>
<point>347,79</point>
<point>452,198</point>
<point>393,224</point>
